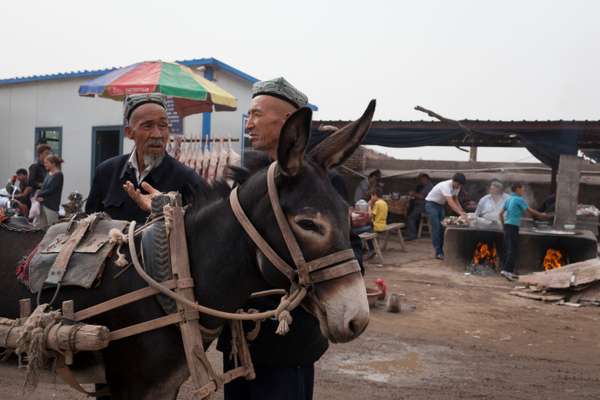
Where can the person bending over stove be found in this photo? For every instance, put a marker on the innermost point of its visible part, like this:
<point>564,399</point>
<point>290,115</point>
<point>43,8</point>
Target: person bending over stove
<point>445,192</point>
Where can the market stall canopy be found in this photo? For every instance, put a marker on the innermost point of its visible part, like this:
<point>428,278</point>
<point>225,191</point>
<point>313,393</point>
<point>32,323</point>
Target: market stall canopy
<point>192,93</point>
<point>546,140</point>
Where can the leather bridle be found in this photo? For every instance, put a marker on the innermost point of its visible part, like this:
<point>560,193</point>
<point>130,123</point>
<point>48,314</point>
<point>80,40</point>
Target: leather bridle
<point>306,273</point>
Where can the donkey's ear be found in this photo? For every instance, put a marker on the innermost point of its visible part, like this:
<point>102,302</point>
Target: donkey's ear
<point>293,141</point>
<point>340,145</point>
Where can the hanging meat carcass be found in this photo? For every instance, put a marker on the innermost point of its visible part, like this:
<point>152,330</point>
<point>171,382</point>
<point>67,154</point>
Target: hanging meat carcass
<point>233,158</point>
<point>223,153</point>
<point>212,164</point>
<point>200,157</point>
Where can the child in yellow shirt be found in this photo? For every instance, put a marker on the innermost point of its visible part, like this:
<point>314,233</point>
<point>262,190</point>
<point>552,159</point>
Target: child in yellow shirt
<point>378,209</point>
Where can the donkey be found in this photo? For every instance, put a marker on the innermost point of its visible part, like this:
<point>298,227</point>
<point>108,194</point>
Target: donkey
<point>227,267</point>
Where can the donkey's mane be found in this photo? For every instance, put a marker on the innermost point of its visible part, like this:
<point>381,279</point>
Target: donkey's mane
<point>207,195</point>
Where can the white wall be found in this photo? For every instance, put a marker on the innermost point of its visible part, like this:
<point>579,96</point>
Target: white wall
<point>23,107</point>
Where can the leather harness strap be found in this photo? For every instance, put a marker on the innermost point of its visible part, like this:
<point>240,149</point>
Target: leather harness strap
<point>326,261</point>
<point>260,242</point>
<point>122,300</point>
<point>153,324</point>
<point>59,267</point>
<point>284,227</point>
<point>67,376</point>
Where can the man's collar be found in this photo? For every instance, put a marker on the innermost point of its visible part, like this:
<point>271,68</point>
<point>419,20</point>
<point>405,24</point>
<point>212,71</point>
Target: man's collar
<point>131,166</point>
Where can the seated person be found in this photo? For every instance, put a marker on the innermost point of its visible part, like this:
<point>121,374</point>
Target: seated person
<point>413,218</point>
<point>20,191</point>
<point>374,219</point>
<point>378,209</point>
<point>490,205</point>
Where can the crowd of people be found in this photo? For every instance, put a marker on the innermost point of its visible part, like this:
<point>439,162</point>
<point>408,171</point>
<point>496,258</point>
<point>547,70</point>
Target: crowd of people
<point>35,194</point>
<point>497,208</point>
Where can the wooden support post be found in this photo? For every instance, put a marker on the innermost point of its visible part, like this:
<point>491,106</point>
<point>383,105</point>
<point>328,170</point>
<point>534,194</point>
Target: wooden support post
<point>553,181</point>
<point>473,154</point>
<point>24,308</point>
<point>68,310</point>
<point>68,313</point>
<point>567,191</point>
<point>190,330</point>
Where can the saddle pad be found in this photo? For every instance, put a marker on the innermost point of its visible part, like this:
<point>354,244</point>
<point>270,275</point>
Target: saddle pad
<point>87,261</point>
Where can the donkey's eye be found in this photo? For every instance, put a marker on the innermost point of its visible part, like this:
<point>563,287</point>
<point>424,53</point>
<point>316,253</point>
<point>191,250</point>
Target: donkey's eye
<point>308,225</point>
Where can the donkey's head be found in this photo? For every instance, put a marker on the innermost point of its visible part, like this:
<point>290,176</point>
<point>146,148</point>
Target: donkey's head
<point>319,220</point>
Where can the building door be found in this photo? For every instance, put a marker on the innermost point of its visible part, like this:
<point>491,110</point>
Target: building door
<point>107,142</point>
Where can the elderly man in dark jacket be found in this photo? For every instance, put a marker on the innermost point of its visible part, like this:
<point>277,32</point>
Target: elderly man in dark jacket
<point>123,185</point>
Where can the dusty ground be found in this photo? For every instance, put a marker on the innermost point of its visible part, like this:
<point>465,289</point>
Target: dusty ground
<point>467,338</point>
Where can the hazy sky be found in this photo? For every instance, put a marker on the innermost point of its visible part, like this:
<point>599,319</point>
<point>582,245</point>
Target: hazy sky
<point>464,59</point>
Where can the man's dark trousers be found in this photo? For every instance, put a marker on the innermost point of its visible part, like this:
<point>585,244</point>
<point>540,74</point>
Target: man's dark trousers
<point>272,383</point>
<point>511,247</point>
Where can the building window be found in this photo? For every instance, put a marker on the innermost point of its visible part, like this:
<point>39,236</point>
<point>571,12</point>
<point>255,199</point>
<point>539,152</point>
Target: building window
<point>245,142</point>
<point>51,136</point>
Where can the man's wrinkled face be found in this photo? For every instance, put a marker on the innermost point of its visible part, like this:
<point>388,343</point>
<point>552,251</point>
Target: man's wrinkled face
<point>149,129</point>
<point>266,117</point>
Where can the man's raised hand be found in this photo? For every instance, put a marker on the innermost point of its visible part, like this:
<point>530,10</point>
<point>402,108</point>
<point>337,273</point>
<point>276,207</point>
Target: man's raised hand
<point>144,201</point>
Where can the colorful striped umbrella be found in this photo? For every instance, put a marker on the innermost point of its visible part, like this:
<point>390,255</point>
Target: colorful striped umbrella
<point>191,92</point>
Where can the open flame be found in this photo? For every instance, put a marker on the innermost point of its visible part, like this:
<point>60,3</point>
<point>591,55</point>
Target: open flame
<point>553,259</point>
<point>484,253</point>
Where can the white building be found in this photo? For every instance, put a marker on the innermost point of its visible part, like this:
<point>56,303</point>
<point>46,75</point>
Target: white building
<point>86,131</point>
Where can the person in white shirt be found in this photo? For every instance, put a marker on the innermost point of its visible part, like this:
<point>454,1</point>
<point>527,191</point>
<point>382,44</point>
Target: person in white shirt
<point>490,205</point>
<point>445,192</point>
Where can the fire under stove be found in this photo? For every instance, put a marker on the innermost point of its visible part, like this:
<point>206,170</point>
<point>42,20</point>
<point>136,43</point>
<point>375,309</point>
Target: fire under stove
<point>461,244</point>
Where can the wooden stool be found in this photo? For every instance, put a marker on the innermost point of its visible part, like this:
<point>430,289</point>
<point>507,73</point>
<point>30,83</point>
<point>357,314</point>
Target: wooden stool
<point>391,228</point>
<point>424,224</point>
<point>372,236</point>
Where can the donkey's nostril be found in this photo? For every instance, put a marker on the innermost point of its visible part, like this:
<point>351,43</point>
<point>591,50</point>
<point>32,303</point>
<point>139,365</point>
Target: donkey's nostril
<point>357,326</point>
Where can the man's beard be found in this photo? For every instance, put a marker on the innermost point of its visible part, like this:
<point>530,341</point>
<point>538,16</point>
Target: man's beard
<point>153,160</point>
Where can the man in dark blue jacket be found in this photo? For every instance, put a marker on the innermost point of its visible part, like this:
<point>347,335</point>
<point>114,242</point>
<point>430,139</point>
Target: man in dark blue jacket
<point>284,365</point>
<point>123,185</point>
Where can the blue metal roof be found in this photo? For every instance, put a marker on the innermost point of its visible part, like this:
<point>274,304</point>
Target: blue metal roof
<point>197,62</point>
<point>212,62</point>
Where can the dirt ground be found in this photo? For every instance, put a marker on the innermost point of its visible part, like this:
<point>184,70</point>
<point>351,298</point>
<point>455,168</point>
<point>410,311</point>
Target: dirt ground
<point>458,337</point>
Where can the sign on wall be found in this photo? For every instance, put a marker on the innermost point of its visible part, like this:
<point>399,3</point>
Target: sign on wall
<point>175,121</point>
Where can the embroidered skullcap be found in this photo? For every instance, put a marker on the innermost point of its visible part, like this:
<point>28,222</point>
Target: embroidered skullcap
<point>281,89</point>
<point>134,101</point>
